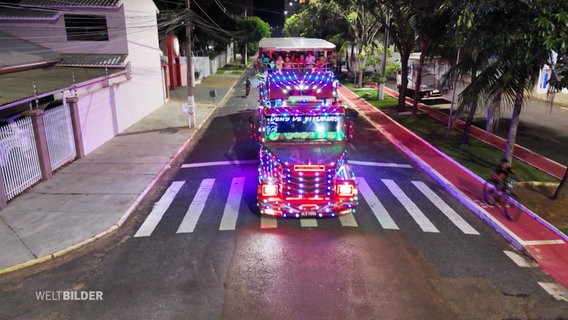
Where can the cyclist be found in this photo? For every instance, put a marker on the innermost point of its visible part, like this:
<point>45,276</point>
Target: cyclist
<point>501,173</point>
<point>248,84</point>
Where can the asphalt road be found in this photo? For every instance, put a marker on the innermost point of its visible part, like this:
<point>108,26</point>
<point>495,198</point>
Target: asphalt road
<point>210,256</point>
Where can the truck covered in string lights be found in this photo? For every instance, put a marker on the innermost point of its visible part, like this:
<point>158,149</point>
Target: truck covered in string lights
<point>303,134</point>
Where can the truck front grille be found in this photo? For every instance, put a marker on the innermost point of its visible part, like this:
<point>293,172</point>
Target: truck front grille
<point>303,182</point>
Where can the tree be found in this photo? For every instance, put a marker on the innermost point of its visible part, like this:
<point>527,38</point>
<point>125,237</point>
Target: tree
<point>337,16</point>
<point>552,25</point>
<point>517,56</point>
<point>472,33</point>
<point>309,21</point>
<point>253,29</point>
<point>398,17</point>
<point>363,27</point>
<point>430,22</point>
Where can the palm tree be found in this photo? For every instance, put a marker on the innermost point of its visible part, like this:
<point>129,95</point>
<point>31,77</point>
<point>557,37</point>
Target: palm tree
<point>399,18</point>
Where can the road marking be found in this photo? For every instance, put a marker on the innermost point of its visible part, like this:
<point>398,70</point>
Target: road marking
<point>376,206</point>
<point>418,216</point>
<point>268,222</point>
<point>348,220</point>
<point>159,209</point>
<point>218,163</point>
<point>555,290</point>
<point>541,242</point>
<point>520,260</point>
<point>381,164</point>
<point>308,223</point>
<point>229,220</point>
<point>454,217</point>
<point>196,207</point>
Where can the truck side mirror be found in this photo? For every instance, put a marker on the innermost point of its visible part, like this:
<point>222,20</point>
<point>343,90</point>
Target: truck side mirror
<point>350,130</point>
<point>253,128</point>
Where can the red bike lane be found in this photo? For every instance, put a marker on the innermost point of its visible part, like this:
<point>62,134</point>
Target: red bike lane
<point>544,243</point>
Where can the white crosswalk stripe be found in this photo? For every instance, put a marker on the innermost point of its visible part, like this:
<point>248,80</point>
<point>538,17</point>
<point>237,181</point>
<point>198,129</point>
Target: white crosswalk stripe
<point>376,206</point>
<point>229,220</point>
<point>234,200</point>
<point>159,209</point>
<point>425,224</point>
<point>308,223</point>
<point>348,220</point>
<point>268,222</point>
<point>196,207</point>
<point>445,208</point>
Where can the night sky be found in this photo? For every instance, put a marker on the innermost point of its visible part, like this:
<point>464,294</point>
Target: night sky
<point>271,11</point>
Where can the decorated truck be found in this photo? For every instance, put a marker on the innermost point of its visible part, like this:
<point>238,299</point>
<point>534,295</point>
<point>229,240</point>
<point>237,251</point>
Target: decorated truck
<point>303,134</point>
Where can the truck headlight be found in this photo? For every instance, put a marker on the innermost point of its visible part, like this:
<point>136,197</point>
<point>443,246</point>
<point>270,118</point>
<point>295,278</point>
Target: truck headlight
<point>346,190</point>
<point>269,190</point>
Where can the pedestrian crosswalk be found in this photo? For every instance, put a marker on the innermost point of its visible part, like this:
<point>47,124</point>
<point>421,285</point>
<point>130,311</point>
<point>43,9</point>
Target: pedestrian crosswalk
<point>234,209</point>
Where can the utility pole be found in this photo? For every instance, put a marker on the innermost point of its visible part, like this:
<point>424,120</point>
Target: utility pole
<point>190,106</point>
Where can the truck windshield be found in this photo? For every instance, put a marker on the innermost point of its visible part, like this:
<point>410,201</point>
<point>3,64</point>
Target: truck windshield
<point>304,127</point>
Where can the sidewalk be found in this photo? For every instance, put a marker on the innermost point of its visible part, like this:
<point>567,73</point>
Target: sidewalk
<point>93,196</point>
<point>543,242</point>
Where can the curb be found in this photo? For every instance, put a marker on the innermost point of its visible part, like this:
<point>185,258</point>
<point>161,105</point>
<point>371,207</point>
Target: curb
<point>134,205</point>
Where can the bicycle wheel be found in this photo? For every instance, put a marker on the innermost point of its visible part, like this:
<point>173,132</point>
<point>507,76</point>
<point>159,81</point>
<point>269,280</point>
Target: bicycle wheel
<point>489,194</point>
<point>513,211</point>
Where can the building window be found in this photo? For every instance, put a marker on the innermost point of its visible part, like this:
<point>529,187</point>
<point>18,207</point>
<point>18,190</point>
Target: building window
<point>86,27</point>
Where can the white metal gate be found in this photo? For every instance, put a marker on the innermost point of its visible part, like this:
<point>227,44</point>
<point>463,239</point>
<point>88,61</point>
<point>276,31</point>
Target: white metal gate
<point>19,161</point>
<point>59,136</point>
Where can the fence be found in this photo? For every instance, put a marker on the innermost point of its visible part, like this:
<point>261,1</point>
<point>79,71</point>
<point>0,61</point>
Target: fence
<point>41,142</point>
<point>19,161</point>
<point>59,136</point>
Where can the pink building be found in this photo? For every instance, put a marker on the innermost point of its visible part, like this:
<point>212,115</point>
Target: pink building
<point>78,45</point>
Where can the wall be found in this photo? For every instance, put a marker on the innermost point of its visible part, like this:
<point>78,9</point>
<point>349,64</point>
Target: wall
<point>205,66</point>
<point>106,111</point>
<point>52,34</point>
<point>143,93</point>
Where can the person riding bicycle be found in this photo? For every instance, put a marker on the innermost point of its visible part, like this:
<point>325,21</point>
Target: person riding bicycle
<point>501,173</point>
<point>248,84</point>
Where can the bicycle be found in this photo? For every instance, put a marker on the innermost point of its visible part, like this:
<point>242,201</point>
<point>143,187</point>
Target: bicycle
<point>503,199</point>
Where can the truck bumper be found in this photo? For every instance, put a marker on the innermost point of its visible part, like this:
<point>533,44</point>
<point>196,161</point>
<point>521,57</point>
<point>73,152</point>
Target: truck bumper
<point>307,209</point>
